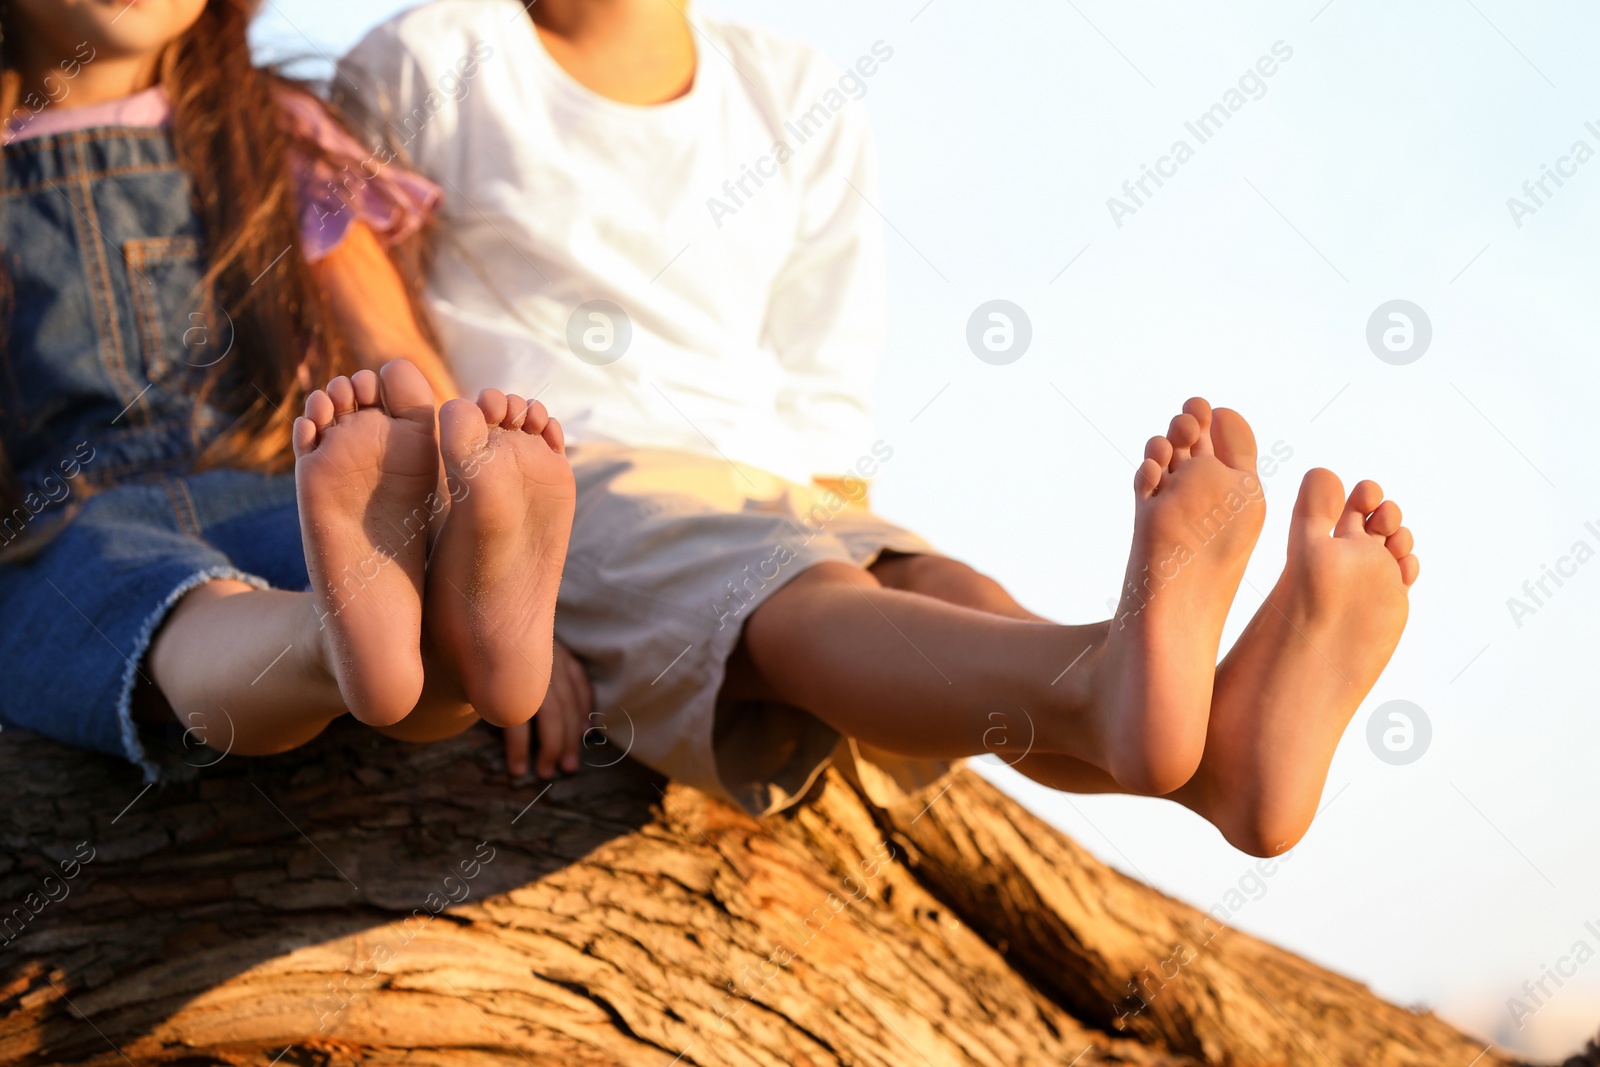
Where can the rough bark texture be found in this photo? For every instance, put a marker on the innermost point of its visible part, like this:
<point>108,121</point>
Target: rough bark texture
<point>361,900</point>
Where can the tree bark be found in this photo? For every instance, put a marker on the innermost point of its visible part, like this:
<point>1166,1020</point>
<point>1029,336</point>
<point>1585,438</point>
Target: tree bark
<point>361,900</point>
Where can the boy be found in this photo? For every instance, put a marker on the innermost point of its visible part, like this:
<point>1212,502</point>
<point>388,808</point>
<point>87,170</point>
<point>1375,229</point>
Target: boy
<point>660,223</point>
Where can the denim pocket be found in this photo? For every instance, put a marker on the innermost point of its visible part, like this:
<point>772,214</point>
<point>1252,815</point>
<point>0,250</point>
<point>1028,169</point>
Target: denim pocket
<point>182,332</point>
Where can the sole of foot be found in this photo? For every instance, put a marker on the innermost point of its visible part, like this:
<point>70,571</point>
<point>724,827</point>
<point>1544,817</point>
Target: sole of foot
<point>366,462</point>
<point>1304,663</point>
<point>496,565</point>
<point>1198,511</point>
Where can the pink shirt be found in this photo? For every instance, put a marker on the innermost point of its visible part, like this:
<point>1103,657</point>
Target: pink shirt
<point>394,203</point>
<point>149,108</point>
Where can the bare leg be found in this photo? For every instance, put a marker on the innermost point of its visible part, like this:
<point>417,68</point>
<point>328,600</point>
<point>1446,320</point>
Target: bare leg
<point>914,675</point>
<point>246,671</point>
<point>264,671</point>
<point>911,674</point>
<point>243,669</point>
<point>956,583</point>
<point>1286,690</point>
<point>951,581</point>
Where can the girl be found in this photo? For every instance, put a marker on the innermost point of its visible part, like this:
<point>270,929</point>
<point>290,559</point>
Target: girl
<point>679,242</point>
<point>179,270</point>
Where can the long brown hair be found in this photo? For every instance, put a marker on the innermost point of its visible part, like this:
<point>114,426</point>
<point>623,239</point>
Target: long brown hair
<point>241,150</point>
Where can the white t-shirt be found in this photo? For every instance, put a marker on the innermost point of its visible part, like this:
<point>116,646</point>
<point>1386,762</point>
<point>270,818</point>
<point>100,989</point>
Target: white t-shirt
<point>732,227</point>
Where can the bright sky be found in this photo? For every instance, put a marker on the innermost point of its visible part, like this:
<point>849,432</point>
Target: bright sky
<point>1375,166</point>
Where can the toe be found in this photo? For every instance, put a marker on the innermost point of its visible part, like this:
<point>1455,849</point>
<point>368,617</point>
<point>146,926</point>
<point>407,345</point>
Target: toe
<point>538,416</point>
<point>1234,441</point>
<point>1146,478</point>
<point>406,393</point>
<point>1201,411</point>
<point>1409,569</point>
<point>343,395</point>
<point>554,437</point>
<point>1160,450</point>
<point>1183,433</point>
<point>494,404</point>
<point>1364,500</point>
<point>516,412</point>
<point>462,431</point>
<point>1317,507</point>
<point>304,436</point>
<point>365,383</point>
<point>1400,543</point>
<point>1385,520</point>
<point>319,409</point>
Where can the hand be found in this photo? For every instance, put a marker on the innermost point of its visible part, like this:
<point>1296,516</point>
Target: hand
<point>562,720</point>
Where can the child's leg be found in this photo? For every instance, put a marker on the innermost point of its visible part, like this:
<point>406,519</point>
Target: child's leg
<point>956,583</point>
<point>263,671</point>
<point>245,670</point>
<point>242,668</point>
<point>953,582</point>
<point>366,474</point>
<point>266,670</point>
<point>913,675</point>
<point>1286,690</point>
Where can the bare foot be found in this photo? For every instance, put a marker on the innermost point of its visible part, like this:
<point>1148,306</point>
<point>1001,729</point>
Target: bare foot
<point>1303,665</point>
<point>1198,511</point>
<point>496,566</point>
<point>366,461</point>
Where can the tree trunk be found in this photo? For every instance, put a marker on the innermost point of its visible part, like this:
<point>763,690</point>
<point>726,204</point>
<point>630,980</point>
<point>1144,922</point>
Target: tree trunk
<point>361,900</point>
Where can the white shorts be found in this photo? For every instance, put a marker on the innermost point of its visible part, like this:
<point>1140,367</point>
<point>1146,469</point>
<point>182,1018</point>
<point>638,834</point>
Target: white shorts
<point>671,553</point>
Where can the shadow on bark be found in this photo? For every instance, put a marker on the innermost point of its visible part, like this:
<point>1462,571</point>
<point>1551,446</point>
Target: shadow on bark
<point>361,900</point>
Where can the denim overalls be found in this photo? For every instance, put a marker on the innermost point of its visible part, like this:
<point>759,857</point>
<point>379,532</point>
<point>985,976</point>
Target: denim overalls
<point>109,340</point>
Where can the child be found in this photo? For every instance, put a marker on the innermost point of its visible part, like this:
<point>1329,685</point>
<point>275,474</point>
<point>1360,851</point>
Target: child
<point>666,220</point>
<point>172,295</point>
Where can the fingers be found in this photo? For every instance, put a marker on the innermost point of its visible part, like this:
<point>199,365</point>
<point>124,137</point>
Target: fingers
<point>516,740</point>
<point>583,710</point>
<point>553,725</point>
<point>560,729</point>
<point>571,741</point>
<point>560,723</point>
